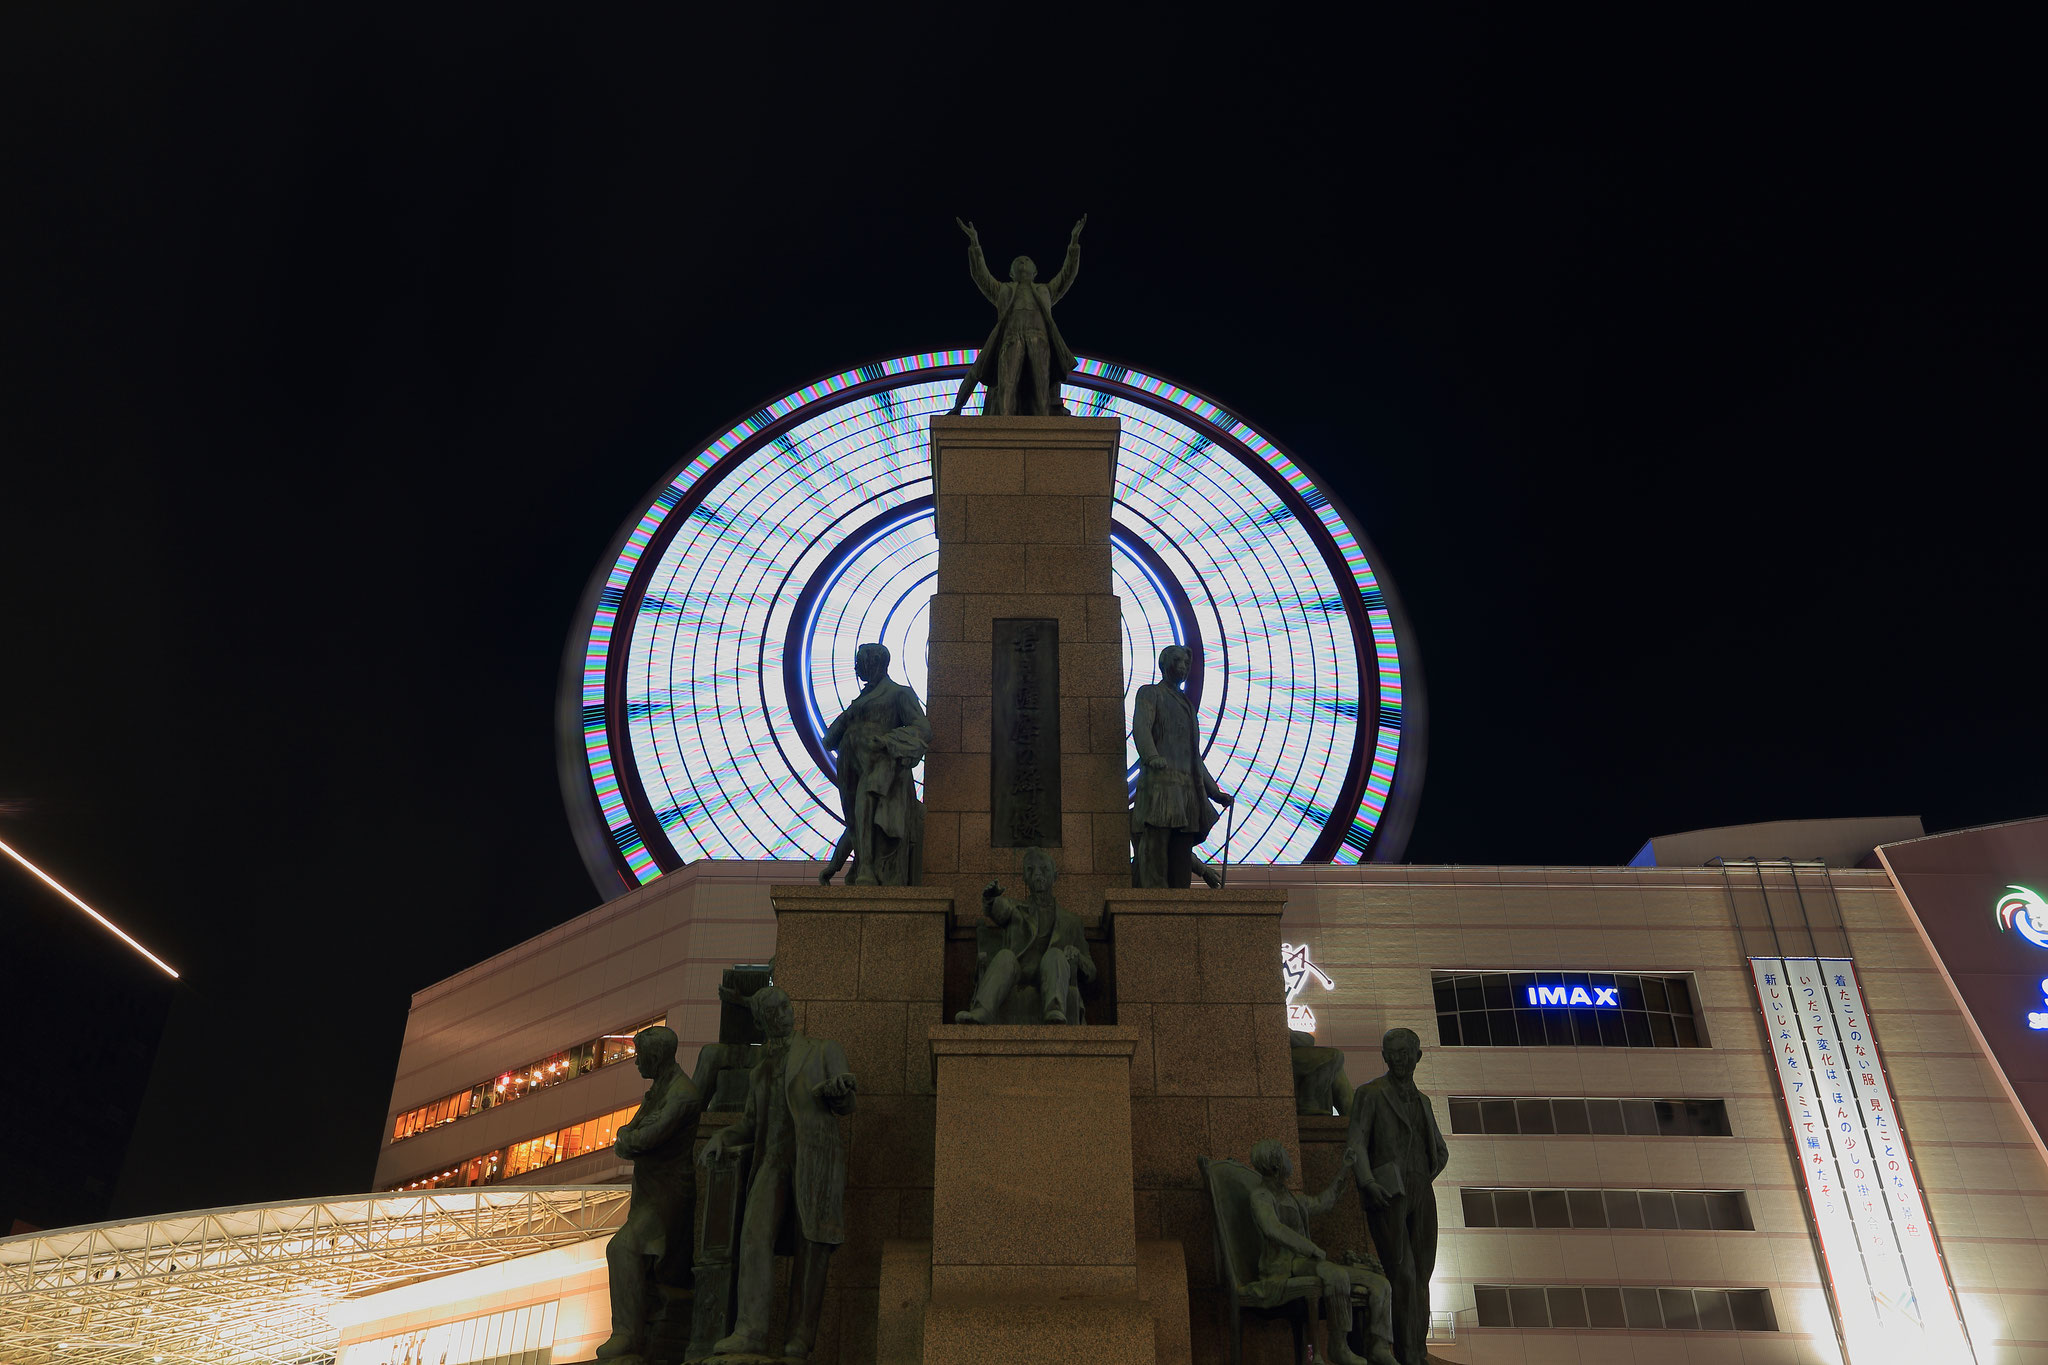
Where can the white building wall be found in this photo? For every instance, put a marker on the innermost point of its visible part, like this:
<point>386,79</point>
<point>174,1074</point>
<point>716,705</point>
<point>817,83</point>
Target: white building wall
<point>1379,932</point>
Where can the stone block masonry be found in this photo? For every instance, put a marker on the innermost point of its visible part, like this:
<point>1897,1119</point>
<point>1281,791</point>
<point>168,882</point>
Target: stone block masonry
<point>1023,522</point>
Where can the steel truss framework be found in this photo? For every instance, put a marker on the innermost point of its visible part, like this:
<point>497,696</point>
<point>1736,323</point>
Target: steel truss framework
<point>253,1284</point>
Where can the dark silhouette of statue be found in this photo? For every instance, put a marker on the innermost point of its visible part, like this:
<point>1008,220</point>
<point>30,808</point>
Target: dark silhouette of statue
<point>1395,1152</point>
<point>1283,1218</point>
<point>878,739</point>
<point>1025,336</point>
<point>1320,1085</point>
<point>1172,812</point>
<point>794,1098</point>
<point>655,1243</point>
<point>1042,946</point>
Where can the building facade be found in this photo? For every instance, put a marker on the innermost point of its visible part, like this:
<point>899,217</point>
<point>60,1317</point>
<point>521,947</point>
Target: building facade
<point>1630,1161</point>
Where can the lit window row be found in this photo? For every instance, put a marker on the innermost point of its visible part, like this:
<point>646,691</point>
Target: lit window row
<point>578,1139</point>
<point>1635,1307</point>
<point>1636,1118</point>
<point>520,1081</point>
<point>1564,1009</point>
<point>1719,1210</point>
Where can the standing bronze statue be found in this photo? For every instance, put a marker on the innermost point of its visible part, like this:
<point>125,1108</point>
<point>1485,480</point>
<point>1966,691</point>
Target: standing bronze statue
<point>795,1096</point>
<point>1172,812</point>
<point>877,740</point>
<point>655,1244</point>
<point>1396,1152</point>
<point>1042,946</point>
<point>1024,334</point>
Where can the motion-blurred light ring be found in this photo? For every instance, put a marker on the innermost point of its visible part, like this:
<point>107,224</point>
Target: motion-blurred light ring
<point>707,654</point>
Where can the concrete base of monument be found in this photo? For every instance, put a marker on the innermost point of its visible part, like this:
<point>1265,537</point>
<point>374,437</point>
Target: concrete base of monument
<point>1034,1251</point>
<point>1103,1331</point>
<point>970,1322</point>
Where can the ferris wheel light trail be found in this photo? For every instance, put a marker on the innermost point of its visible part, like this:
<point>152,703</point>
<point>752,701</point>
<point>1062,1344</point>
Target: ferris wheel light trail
<point>112,927</point>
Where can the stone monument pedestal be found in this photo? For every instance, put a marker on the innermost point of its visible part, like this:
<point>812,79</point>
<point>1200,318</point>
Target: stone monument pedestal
<point>865,967</point>
<point>1023,513</point>
<point>1034,1251</point>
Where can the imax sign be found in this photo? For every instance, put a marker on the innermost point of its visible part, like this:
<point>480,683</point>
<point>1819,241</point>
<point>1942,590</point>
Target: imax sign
<point>1574,995</point>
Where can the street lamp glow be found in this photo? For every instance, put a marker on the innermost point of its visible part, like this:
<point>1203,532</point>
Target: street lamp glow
<point>112,927</point>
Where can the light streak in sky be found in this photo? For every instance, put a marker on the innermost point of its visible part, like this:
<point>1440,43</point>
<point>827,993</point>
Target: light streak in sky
<point>112,927</point>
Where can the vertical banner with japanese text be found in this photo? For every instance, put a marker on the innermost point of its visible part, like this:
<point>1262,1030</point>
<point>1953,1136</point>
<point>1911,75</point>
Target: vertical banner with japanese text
<point>1890,1287</point>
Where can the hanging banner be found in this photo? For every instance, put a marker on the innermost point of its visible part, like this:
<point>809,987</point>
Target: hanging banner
<point>1890,1287</point>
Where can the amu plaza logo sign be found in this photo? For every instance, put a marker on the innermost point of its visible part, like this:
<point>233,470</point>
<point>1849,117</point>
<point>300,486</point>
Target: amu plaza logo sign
<point>1296,969</point>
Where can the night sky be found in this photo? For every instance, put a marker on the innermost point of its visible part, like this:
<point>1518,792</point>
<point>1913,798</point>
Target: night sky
<point>1687,380</point>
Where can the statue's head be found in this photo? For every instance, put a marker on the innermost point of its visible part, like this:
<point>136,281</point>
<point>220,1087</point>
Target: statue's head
<point>1174,661</point>
<point>653,1049</point>
<point>1402,1049</point>
<point>773,1012</point>
<point>1270,1159</point>
<point>871,662</point>
<point>1038,870</point>
<point>1023,270</point>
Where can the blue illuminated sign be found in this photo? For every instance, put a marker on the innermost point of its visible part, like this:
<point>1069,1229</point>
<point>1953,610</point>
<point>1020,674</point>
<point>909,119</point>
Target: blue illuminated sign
<point>2038,1019</point>
<point>1602,996</point>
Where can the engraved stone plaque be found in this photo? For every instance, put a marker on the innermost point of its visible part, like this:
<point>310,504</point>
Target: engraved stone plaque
<point>1024,735</point>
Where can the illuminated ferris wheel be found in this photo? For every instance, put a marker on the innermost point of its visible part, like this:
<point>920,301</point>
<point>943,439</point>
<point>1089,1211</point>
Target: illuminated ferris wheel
<point>713,643</point>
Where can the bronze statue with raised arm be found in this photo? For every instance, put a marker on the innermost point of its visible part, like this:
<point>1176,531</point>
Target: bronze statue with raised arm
<point>1042,946</point>
<point>1025,335</point>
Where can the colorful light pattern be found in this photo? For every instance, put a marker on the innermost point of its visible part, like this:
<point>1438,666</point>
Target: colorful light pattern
<point>819,505</point>
<point>2023,911</point>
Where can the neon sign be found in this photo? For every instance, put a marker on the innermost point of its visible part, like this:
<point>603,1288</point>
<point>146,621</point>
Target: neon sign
<point>2038,1019</point>
<point>2025,912</point>
<point>1296,969</point>
<point>1602,996</point>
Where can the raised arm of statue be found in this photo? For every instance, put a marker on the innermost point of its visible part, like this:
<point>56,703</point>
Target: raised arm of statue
<point>1062,282</point>
<point>1327,1200</point>
<point>977,266</point>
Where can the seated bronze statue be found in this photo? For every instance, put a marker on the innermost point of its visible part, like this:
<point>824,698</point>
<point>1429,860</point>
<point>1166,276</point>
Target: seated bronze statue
<point>1283,1218</point>
<point>1029,948</point>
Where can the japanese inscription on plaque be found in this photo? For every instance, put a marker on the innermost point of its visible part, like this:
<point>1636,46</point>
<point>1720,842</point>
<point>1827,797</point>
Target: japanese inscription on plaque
<point>1024,735</point>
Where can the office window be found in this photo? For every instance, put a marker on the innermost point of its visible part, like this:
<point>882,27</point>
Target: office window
<point>520,1082</point>
<point>564,1144</point>
<point>1565,1307</point>
<point>1699,1210</point>
<point>1570,1114</point>
<point>1565,1009</point>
